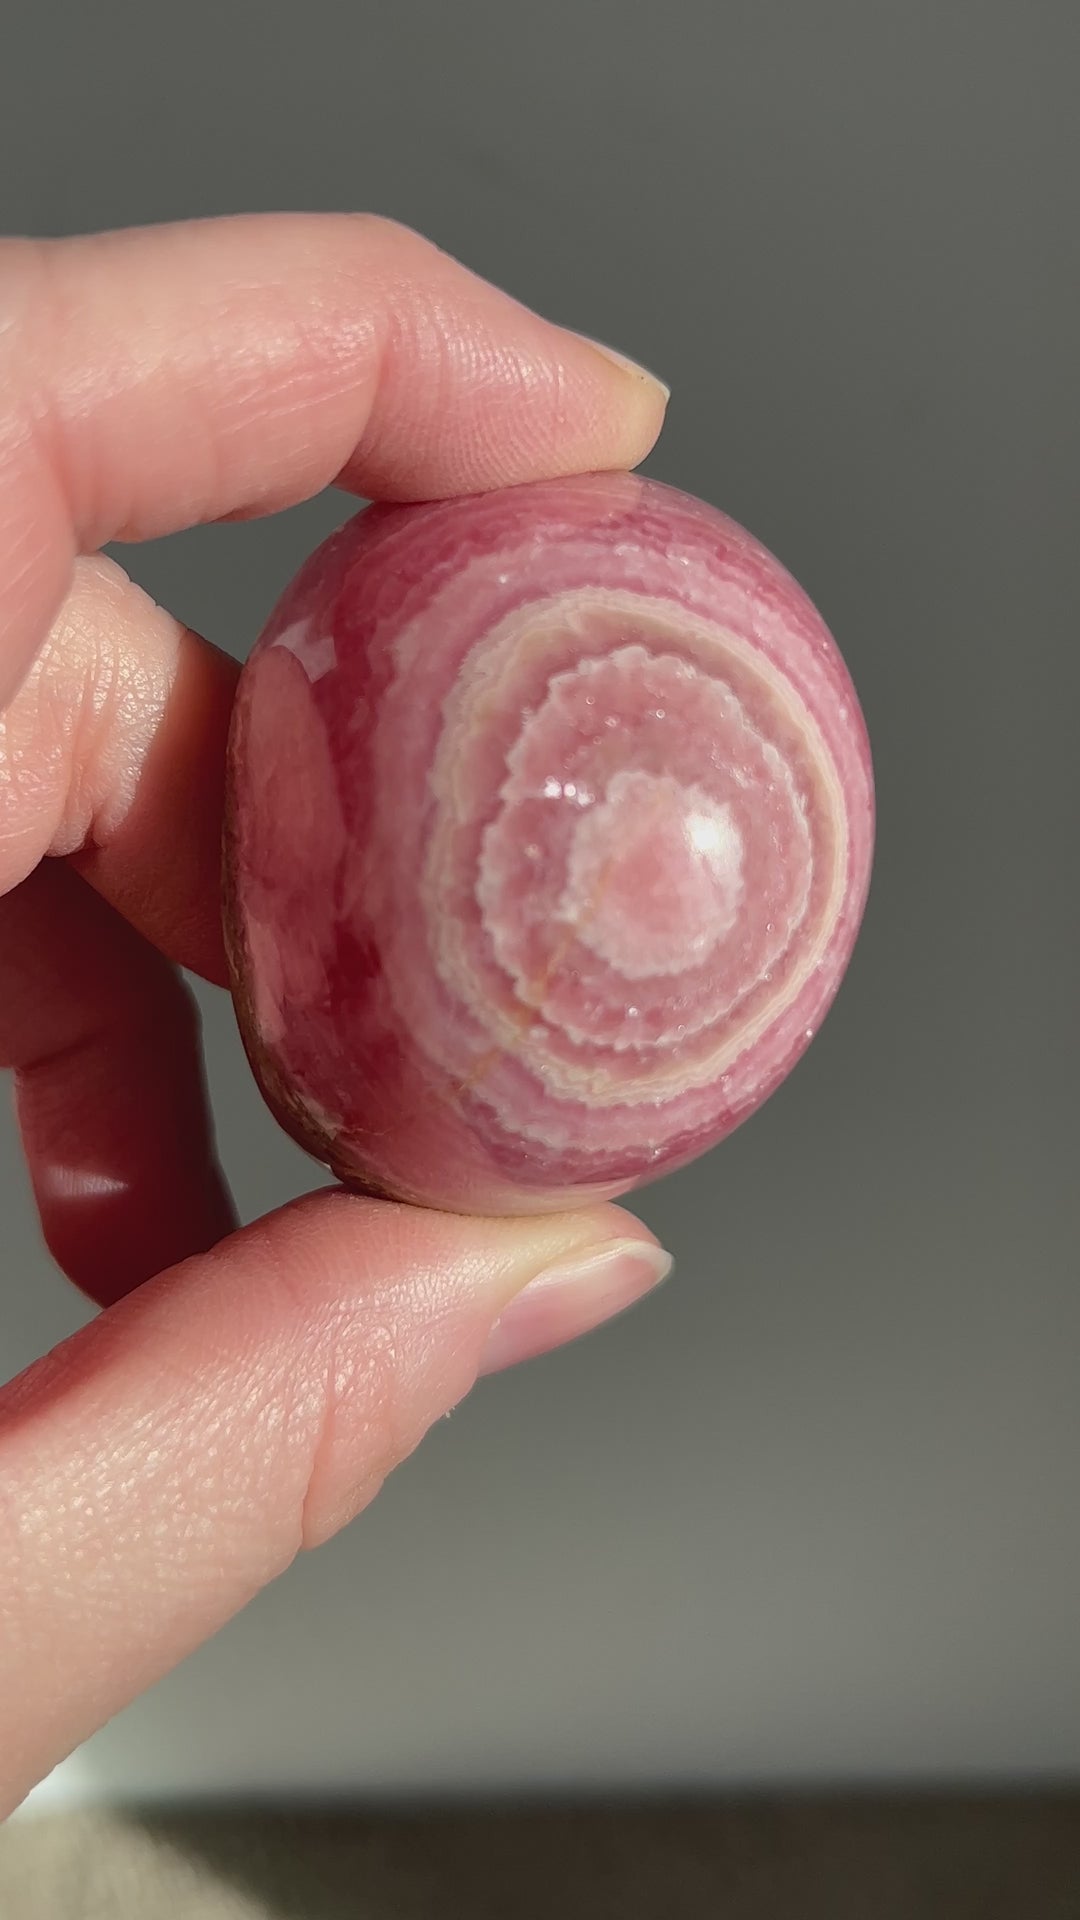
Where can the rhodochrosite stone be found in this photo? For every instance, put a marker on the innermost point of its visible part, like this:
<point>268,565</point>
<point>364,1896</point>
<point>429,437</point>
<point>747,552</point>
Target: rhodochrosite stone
<point>549,834</point>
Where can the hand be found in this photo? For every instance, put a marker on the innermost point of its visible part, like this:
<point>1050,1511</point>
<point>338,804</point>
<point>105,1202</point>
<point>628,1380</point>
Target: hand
<point>171,1458</point>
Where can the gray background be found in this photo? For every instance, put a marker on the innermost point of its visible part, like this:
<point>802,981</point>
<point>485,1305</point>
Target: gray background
<point>813,1511</point>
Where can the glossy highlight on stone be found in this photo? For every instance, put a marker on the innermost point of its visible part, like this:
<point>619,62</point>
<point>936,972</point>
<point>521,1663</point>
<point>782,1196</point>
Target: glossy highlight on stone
<point>549,833</point>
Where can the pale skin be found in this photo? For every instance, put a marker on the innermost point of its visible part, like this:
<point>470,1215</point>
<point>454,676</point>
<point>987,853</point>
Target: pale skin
<point>244,1393</point>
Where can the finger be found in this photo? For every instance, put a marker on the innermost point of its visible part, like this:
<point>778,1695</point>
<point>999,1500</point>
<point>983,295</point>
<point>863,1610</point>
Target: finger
<point>113,752</point>
<point>169,1460</point>
<point>104,1039</point>
<point>158,378</point>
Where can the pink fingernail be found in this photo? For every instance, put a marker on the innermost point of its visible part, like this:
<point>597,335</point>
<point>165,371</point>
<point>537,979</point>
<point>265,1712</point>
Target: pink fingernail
<point>571,1299</point>
<point>624,361</point>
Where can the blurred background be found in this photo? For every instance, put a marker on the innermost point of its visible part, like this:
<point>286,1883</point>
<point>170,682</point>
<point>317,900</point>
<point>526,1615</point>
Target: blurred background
<point>810,1516</point>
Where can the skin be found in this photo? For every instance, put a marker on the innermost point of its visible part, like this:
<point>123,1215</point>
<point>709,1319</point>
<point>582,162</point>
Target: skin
<point>243,1393</point>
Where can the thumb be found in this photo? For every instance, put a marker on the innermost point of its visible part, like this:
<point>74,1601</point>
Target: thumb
<point>171,1458</point>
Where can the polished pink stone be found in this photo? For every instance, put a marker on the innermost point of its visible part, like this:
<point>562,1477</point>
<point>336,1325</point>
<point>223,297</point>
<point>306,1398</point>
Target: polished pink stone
<point>550,830</point>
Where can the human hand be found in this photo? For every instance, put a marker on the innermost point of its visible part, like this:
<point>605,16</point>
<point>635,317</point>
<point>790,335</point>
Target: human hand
<point>171,1458</point>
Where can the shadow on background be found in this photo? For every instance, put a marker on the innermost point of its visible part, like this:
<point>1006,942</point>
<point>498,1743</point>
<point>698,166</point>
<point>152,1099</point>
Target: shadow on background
<point>917,1858</point>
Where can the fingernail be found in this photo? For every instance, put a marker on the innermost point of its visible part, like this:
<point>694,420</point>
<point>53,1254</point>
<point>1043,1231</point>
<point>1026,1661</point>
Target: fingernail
<point>628,366</point>
<point>571,1299</point>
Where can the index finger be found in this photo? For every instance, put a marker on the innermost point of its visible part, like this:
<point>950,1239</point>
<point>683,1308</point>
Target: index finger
<point>156,379</point>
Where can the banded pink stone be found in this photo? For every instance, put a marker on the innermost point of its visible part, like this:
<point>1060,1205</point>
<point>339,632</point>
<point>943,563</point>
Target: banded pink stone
<point>550,830</point>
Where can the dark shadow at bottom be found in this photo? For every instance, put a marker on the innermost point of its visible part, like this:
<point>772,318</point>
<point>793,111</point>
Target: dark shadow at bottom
<point>926,1857</point>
